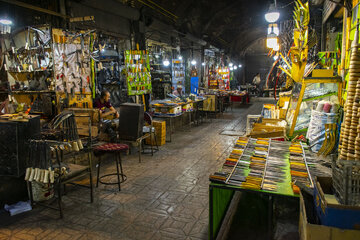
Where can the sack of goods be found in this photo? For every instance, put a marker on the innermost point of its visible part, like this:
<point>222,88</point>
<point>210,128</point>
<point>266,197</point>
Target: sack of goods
<point>325,113</point>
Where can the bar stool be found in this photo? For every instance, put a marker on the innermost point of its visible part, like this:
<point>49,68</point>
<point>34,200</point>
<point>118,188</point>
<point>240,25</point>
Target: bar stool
<point>115,149</point>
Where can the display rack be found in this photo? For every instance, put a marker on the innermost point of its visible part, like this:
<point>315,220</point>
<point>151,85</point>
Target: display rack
<point>213,78</point>
<point>178,73</point>
<point>109,72</point>
<point>224,78</point>
<point>73,67</point>
<point>29,69</point>
<point>331,86</point>
<point>138,72</point>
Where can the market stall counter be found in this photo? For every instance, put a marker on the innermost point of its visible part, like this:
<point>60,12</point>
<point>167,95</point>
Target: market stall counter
<point>172,109</point>
<point>263,166</point>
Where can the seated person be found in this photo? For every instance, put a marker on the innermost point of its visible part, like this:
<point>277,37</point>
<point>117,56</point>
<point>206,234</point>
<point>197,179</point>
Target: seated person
<point>104,105</point>
<point>178,91</point>
<point>107,112</point>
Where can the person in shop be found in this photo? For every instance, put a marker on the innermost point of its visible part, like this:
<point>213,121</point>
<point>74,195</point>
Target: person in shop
<point>108,114</point>
<point>178,91</point>
<point>257,81</point>
<point>105,107</point>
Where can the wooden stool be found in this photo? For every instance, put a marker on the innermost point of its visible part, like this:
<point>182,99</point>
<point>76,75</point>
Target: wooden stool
<point>116,149</point>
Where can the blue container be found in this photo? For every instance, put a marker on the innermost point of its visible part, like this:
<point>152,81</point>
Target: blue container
<point>333,214</point>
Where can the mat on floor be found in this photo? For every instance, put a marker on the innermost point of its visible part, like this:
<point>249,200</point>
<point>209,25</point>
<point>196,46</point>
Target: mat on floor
<point>232,133</point>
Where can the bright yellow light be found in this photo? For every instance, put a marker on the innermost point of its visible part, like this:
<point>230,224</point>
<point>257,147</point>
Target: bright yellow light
<point>276,48</point>
<point>272,42</point>
<point>273,28</point>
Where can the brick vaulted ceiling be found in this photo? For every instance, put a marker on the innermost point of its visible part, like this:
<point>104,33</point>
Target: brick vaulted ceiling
<point>229,24</point>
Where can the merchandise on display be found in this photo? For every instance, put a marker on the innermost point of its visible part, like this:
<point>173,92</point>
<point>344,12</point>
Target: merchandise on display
<point>138,72</point>
<point>350,134</point>
<point>266,164</point>
<point>178,74</point>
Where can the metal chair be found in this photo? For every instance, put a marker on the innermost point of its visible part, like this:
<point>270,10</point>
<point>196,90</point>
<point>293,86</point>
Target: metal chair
<point>65,173</point>
<point>149,129</point>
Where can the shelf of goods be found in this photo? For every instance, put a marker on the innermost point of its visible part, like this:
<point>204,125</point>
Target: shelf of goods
<point>262,164</point>
<point>138,72</point>
<point>306,94</point>
<point>29,66</point>
<point>178,73</point>
<point>224,79</point>
<point>213,79</point>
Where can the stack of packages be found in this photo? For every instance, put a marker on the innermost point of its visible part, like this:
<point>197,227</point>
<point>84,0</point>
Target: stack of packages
<point>160,132</point>
<point>349,139</point>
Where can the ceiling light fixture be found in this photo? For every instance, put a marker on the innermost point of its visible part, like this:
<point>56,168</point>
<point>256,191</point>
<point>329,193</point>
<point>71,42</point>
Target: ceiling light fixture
<point>272,15</point>
<point>166,62</point>
<point>273,27</point>
<point>5,21</point>
<point>193,62</point>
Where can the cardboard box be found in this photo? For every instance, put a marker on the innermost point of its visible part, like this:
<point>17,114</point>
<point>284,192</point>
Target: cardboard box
<point>188,107</point>
<point>84,131</point>
<point>160,131</point>
<point>160,140</point>
<point>311,231</point>
<point>168,110</point>
<point>209,103</point>
<point>269,128</point>
<point>323,73</point>
<point>329,211</point>
<point>82,113</point>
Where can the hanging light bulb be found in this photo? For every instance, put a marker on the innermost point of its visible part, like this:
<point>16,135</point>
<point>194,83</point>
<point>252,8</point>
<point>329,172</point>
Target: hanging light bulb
<point>166,62</point>
<point>277,47</point>
<point>231,69</point>
<point>231,64</point>
<point>203,64</point>
<point>272,42</point>
<point>5,21</point>
<point>180,57</point>
<point>273,28</point>
<point>272,15</point>
<point>240,65</point>
<point>5,25</point>
<point>235,67</point>
<point>193,62</point>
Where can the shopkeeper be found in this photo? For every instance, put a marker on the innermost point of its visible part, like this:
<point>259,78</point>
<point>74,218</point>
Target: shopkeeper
<point>178,91</point>
<point>257,82</point>
<point>104,105</point>
<point>108,114</point>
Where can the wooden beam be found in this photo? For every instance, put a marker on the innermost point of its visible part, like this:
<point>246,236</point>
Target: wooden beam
<point>35,8</point>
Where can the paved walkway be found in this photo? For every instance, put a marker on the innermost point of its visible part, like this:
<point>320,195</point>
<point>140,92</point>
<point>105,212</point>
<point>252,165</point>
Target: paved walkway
<point>165,196</point>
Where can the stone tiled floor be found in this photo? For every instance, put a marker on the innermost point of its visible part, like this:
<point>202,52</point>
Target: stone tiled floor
<point>165,196</point>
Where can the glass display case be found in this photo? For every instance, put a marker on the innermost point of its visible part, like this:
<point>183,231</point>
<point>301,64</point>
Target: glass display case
<point>178,73</point>
<point>305,95</point>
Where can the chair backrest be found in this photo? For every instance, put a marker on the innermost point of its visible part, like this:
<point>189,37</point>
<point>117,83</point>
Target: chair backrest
<point>147,118</point>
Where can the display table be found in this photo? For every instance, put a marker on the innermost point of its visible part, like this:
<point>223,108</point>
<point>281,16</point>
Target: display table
<point>262,166</point>
<point>175,110</point>
<point>170,117</point>
<point>240,98</point>
<point>220,196</point>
